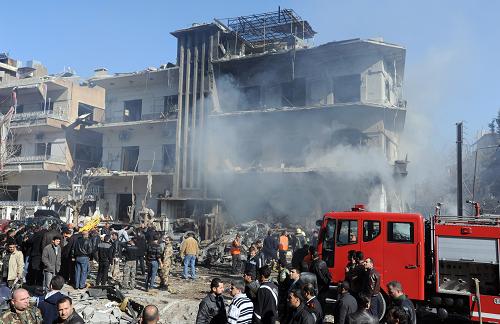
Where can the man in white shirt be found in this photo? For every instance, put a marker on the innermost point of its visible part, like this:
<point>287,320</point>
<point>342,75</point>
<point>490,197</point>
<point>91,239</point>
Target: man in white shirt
<point>241,307</point>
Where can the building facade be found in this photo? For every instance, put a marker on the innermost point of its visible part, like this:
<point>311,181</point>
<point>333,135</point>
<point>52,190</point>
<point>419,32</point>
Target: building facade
<point>138,160</point>
<point>46,144</point>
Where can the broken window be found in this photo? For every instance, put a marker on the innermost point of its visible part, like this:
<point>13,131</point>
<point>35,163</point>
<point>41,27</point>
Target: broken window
<point>169,156</point>
<point>170,105</point>
<point>319,92</point>
<point>132,110</point>
<point>249,98</point>
<point>47,105</point>
<point>9,193</point>
<point>43,149</point>
<point>293,93</point>
<point>39,191</point>
<point>20,109</point>
<point>347,88</point>
<point>130,157</point>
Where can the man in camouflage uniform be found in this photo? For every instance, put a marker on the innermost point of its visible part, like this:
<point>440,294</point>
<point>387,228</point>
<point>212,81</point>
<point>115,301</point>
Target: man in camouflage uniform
<point>20,311</point>
<point>166,263</point>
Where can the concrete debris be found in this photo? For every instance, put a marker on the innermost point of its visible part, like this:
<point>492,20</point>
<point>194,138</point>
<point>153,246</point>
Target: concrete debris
<point>218,251</point>
<point>106,305</point>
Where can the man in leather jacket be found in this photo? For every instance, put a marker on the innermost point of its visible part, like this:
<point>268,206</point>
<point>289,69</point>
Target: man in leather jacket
<point>371,287</point>
<point>300,313</point>
<point>82,250</point>
<point>363,315</point>
<point>212,309</point>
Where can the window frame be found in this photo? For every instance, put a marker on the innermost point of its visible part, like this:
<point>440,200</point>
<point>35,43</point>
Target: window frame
<point>339,227</point>
<point>390,233</point>
<point>379,229</point>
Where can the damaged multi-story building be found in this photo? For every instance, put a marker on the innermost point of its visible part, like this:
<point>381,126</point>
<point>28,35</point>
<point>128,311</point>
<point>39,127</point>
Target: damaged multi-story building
<point>253,121</point>
<point>138,160</point>
<point>46,143</point>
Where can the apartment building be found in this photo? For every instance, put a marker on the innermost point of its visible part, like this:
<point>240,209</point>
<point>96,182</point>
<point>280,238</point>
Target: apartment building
<point>46,142</point>
<point>138,159</point>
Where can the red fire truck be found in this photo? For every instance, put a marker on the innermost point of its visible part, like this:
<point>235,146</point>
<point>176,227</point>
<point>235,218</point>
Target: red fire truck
<point>447,264</point>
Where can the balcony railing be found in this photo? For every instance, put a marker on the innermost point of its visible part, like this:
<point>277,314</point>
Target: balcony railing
<point>19,203</point>
<point>142,166</point>
<point>36,158</point>
<point>37,118</point>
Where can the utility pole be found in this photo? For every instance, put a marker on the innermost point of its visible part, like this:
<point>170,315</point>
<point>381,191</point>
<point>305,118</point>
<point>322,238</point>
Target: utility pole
<point>460,208</point>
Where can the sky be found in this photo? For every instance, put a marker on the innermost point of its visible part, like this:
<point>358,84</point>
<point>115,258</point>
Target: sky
<point>452,46</point>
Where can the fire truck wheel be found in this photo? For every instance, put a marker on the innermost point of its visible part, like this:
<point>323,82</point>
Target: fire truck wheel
<point>383,304</point>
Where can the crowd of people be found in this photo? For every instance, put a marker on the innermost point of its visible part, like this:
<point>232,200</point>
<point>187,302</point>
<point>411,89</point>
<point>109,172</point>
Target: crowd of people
<point>44,259</point>
<point>271,290</point>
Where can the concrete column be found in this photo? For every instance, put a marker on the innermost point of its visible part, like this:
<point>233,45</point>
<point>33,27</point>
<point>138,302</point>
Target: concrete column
<point>178,135</point>
<point>186,115</point>
<point>194,139</point>
<point>201,141</point>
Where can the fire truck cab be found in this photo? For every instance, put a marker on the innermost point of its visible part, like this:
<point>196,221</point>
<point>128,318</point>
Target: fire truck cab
<point>435,260</point>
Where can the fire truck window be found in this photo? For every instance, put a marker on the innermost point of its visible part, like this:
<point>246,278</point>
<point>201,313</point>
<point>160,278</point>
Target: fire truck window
<point>329,243</point>
<point>347,232</point>
<point>371,229</point>
<point>400,232</point>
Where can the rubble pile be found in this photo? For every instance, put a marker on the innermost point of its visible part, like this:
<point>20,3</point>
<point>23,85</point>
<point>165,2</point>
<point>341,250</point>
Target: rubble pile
<point>106,305</point>
<point>218,251</point>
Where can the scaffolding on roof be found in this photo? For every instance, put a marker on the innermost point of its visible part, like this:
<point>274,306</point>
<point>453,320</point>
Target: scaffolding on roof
<point>283,25</point>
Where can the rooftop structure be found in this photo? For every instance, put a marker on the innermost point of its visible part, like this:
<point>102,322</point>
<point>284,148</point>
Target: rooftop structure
<point>282,26</point>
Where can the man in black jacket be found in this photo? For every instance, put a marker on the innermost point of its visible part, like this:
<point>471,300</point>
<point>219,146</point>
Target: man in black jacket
<point>312,303</point>
<point>35,267</point>
<point>300,313</point>
<point>67,263</point>
<point>371,287</point>
<point>153,257</point>
<point>270,248</point>
<point>67,313</point>
<point>345,305</point>
<point>104,257</point>
<point>81,253</point>
<point>129,271</point>
<point>323,276</point>
<point>363,315</point>
<point>399,299</point>
<point>212,309</point>
<point>141,245</point>
<point>266,306</point>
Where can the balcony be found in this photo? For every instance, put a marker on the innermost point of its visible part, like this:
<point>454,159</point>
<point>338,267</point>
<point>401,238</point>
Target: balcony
<point>36,163</point>
<point>111,168</point>
<point>52,118</point>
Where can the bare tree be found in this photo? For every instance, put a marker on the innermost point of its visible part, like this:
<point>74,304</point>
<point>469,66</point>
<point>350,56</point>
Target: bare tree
<point>80,182</point>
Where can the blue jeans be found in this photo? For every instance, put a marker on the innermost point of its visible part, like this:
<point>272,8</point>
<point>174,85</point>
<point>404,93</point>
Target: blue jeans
<point>189,261</point>
<point>81,271</point>
<point>153,271</point>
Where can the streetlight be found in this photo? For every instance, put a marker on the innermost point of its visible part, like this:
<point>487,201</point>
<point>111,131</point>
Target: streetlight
<point>475,167</point>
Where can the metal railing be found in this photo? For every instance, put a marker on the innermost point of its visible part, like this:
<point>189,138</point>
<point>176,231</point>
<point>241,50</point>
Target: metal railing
<point>19,203</point>
<point>36,158</point>
<point>142,166</point>
<point>37,118</point>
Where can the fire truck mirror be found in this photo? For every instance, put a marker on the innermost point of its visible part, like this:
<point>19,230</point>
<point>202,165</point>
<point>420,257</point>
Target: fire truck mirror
<point>319,222</point>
